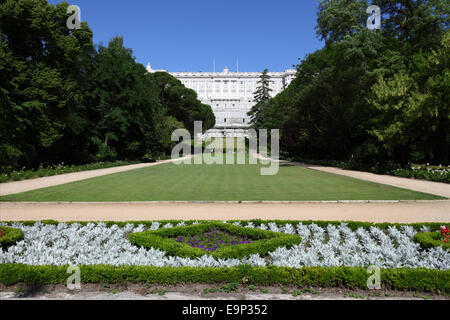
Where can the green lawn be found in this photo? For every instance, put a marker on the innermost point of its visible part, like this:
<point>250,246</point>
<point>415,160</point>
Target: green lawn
<point>218,182</point>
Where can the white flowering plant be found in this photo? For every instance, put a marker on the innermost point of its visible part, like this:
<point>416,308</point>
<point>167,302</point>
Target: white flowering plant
<point>324,246</point>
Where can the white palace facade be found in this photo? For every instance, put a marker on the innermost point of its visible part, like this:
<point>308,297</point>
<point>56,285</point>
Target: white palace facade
<point>230,95</point>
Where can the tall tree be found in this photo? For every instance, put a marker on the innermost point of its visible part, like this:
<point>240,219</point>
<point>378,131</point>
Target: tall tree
<point>261,97</point>
<point>370,96</point>
<point>182,103</point>
<point>125,104</point>
<point>339,18</point>
<point>42,65</point>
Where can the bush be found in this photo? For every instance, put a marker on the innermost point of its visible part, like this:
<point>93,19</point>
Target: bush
<point>60,169</point>
<point>353,225</point>
<point>431,174</point>
<point>431,239</point>
<point>9,236</point>
<point>265,240</point>
<point>422,172</point>
<point>429,280</point>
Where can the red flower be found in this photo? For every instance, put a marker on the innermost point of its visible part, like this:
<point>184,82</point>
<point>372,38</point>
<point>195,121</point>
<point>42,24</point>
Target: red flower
<point>445,233</point>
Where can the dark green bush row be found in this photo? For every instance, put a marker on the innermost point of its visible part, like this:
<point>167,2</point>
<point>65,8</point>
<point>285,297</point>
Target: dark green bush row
<point>161,239</point>
<point>378,168</point>
<point>437,174</point>
<point>429,280</point>
<point>431,239</point>
<point>11,236</point>
<point>424,174</point>
<point>353,225</point>
<point>60,169</point>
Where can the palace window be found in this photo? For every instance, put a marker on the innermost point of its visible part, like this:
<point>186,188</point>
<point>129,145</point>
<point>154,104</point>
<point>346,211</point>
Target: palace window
<point>225,86</point>
<point>217,85</point>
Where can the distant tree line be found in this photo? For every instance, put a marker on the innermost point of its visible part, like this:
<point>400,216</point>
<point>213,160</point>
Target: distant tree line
<point>369,96</point>
<point>65,100</point>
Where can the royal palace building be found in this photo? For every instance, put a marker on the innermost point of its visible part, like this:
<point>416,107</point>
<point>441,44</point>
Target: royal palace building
<point>230,95</point>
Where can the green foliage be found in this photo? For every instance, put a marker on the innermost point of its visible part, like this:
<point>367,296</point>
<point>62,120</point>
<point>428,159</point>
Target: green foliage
<point>43,66</point>
<point>182,103</point>
<point>425,280</point>
<point>423,172</point>
<point>229,287</point>
<point>353,225</point>
<point>438,175</point>
<point>370,97</point>
<point>9,236</point>
<point>64,100</point>
<point>157,291</point>
<point>264,240</point>
<point>431,239</point>
<point>261,97</point>
<point>339,18</point>
<point>60,169</point>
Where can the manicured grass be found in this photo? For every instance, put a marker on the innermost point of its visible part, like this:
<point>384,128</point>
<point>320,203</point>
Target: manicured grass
<point>167,182</point>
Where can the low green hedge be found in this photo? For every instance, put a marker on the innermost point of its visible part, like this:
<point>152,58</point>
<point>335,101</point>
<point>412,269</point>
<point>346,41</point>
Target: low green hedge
<point>60,169</point>
<point>431,239</point>
<point>353,225</point>
<point>11,236</point>
<point>429,280</point>
<point>264,240</point>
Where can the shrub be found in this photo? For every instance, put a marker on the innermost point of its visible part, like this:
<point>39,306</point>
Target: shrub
<point>60,169</point>
<point>353,225</point>
<point>421,279</point>
<point>431,239</point>
<point>265,240</point>
<point>422,172</point>
<point>9,236</point>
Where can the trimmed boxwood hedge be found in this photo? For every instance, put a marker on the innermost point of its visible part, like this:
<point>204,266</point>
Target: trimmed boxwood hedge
<point>264,240</point>
<point>431,239</point>
<point>429,280</point>
<point>353,225</point>
<point>11,236</point>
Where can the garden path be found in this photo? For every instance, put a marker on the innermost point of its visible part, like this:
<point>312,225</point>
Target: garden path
<point>378,211</point>
<point>38,183</point>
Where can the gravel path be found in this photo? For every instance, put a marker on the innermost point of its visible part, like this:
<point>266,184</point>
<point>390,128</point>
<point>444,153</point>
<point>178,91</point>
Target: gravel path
<point>38,183</point>
<point>373,211</point>
<point>431,187</point>
<point>399,212</point>
<point>436,188</point>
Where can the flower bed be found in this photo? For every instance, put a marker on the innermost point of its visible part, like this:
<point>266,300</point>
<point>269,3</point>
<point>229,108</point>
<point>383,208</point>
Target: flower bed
<point>434,239</point>
<point>437,174</point>
<point>329,254</point>
<point>9,236</point>
<point>170,240</point>
<point>322,244</point>
<point>213,240</point>
<point>25,174</point>
<point>422,172</point>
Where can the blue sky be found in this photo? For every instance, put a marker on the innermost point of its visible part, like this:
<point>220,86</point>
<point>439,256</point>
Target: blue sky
<point>187,35</point>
